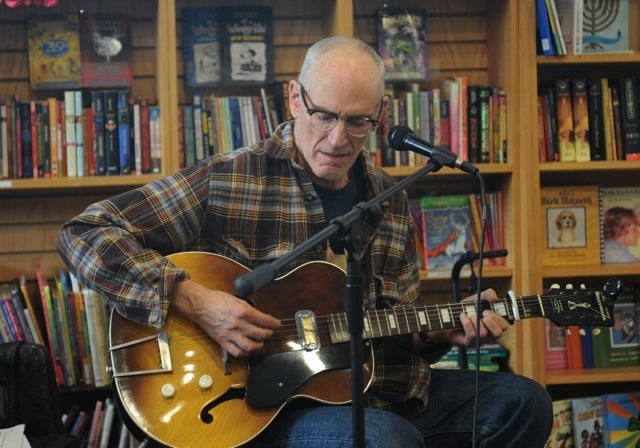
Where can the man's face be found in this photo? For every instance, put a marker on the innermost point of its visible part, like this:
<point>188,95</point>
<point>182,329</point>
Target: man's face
<point>329,156</point>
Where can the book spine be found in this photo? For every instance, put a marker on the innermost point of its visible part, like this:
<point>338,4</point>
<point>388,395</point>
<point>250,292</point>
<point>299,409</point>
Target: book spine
<point>79,130</point>
<point>137,138</point>
<point>156,139</point>
<point>53,136</point>
<point>97,103</point>
<point>111,149</point>
<point>581,119</point>
<point>596,120</point>
<point>564,117</point>
<point>629,119</point>
<point>145,140</point>
<point>544,27</point>
<point>124,131</point>
<point>189,136</point>
<point>70,133</point>
<point>473,124</point>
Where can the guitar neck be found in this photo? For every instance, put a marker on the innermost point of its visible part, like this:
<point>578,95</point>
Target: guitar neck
<point>412,319</point>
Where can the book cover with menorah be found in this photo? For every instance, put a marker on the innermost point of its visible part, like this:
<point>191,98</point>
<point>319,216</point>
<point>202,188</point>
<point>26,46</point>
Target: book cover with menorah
<point>605,26</point>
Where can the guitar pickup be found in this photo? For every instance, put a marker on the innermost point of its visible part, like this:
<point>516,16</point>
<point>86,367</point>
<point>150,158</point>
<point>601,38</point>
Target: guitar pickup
<point>133,356</point>
<point>307,330</point>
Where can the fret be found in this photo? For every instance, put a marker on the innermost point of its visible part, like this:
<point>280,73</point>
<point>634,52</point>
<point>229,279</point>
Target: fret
<point>408,328</point>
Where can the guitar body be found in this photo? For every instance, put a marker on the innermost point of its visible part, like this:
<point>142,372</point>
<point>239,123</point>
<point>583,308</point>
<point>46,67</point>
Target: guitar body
<point>157,375</point>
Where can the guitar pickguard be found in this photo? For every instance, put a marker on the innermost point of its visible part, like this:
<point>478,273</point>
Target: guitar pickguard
<point>274,379</point>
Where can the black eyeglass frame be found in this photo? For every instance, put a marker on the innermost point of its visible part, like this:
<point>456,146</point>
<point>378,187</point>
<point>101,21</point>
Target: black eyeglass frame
<point>374,123</point>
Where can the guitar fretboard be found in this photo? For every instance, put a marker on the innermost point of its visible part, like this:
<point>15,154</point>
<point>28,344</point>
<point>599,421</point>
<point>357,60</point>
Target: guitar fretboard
<point>412,319</point>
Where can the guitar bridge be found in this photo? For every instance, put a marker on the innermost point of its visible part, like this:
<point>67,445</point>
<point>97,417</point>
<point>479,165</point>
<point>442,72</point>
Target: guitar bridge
<point>134,352</point>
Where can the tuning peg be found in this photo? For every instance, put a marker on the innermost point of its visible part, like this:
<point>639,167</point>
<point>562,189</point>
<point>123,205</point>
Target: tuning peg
<point>569,286</point>
<point>555,286</point>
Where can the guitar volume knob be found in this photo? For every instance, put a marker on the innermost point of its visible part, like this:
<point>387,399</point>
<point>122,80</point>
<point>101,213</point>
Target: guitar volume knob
<point>168,390</point>
<point>205,382</point>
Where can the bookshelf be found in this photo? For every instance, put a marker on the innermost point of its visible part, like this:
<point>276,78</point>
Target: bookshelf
<point>491,42</point>
<point>535,69</point>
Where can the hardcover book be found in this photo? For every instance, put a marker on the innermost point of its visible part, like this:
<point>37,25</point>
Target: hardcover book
<point>201,47</point>
<point>605,26</point>
<point>555,346</point>
<point>588,426</point>
<point>629,118</point>
<point>54,52</point>
<point>622,419</point>
<point>402,43</point>
<point>581,119</point>
<point>572,225</point>
<point>247,38</point>
<point>618,345</point>
<point>564,121</point>
<point>447,228</point>
<point>596,120</point>
<point>570,16</point>
<point>620,208</point>
<point>106,50</point>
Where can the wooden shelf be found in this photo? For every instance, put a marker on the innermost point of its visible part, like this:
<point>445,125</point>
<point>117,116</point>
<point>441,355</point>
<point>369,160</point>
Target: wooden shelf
<point>100,183</point>
<point>586,376</point>
<point>591,270</point>
<point>610,58</point>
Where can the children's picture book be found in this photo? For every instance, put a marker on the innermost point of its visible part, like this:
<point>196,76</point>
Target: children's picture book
<point>247,37</point>
<point>622,420</point>
<point>605,27</point>
<point>54,52</point>
<point>402,43</point>
<point>555,346</point>
<point>619,345</point>
<point>561,435</point>
<point>620,210</point>
<point>571,216</point>
<point>588,425</point>
<point>201,46</point>
<point>106,50</point>
<point>447,231</point>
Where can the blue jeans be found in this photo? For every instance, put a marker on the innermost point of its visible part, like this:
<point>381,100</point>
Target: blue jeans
<point>513,411</point>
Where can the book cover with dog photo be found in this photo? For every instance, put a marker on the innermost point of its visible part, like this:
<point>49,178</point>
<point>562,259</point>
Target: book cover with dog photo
<point>446,231</point>
<point>571,216</point>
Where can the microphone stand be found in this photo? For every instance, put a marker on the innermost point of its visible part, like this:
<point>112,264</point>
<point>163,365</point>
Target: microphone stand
<point>349,227</point>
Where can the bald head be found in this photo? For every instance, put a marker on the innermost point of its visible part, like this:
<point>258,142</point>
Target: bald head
<point>343,57</point>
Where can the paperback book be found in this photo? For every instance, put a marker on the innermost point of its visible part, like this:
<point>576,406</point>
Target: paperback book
<point>402,43</point>
<point>561,435</point>
<point>618,345</point>
<point>571,216</point>
<point>588,426</point>
<point>622,419</point>
<point>54,53</point>
<point>106,50</point>
<point>201,46</point>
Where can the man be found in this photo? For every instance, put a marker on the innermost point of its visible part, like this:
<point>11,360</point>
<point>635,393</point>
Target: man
<point>255,204</point>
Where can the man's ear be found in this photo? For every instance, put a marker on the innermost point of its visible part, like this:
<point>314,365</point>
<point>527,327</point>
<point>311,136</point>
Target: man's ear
<point>295,103</point>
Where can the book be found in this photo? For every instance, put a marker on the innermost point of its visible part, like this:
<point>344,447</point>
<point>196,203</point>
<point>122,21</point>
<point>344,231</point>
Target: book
<point>571,216</point>
<point>605,26</point>
<point>402,43</point>
<point>618,345</point>
<point>555,346</point>
<point>247,44</point>
<point>622,419</point>
<point>561,435</point>
<point>574,347</point>
<point>54,52</point>
<point>124,131</point>
<point>111,140</point>
<point>446,221</point>
<point>596,120</point>
<point>570,16</point>
<point>545,45</point>
<point>79,130</point>
<point>620,210</point>
<point>201,46</point>
<point>105,50</point>
<point>580,109</point>
<point>587,414</point>
<point>155,139</point>
<point>629,118</point>
<point>564,120</point>
<point>97,104</point>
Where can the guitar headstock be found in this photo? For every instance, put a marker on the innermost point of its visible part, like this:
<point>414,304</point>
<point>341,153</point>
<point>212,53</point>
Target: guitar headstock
<point>582,306</point>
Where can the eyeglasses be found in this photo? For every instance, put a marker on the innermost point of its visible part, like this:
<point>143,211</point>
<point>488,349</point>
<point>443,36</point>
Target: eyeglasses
<point>325,121</point>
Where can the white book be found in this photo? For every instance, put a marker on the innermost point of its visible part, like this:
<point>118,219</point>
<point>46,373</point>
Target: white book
<point>97,336</point>
<point>4,142</point>
<point>137,143</point>
<point>70,132</point>
<point>79,130</point>
<point>108,423</point>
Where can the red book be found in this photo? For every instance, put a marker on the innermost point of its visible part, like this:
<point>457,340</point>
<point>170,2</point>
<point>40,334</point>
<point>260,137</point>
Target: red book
<point>574,348</point>
<point>145,137</point>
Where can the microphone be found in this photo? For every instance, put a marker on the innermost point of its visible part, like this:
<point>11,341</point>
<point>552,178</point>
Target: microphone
<point>402,138</point>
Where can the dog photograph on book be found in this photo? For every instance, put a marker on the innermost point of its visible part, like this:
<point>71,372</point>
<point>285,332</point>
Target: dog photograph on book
<point>572,219</point>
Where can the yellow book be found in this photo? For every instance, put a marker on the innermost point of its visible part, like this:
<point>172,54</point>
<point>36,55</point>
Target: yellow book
<point>571,216</point>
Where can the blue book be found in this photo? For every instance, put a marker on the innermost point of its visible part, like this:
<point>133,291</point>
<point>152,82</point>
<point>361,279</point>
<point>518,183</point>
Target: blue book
<point>544,28</point>
<point>124,132</point>
<point>201,46</point>
<point>587,347</point>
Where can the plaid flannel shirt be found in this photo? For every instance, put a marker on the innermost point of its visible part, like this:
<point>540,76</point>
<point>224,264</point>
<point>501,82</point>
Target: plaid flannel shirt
<point>251,205</point>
